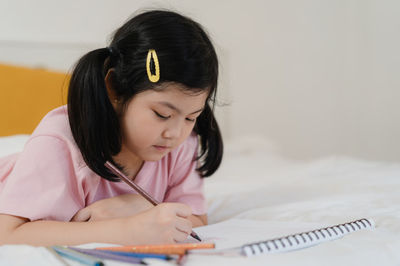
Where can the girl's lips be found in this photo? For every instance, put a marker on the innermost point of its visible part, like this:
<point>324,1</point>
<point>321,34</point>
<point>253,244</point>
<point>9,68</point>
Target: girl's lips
<point>161,148</point>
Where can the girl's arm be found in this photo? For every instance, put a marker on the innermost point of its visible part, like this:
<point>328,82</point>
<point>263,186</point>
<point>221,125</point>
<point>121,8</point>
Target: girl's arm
<point>16,230</point>
<point>165,223</point>
<point>123,206</point>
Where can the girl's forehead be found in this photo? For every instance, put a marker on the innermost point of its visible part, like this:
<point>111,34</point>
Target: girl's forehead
<point>182,98</point>
<point>176,92</point>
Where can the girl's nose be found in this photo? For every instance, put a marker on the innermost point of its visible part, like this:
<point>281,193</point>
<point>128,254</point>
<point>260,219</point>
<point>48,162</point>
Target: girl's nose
<point>172,131</point>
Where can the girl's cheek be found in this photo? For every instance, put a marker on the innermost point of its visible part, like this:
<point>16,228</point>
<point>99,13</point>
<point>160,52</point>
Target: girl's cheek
<point>187,132</point>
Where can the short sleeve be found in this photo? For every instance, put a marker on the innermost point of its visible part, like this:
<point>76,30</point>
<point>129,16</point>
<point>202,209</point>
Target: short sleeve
<point>43,183</point>
<point>186,184</point>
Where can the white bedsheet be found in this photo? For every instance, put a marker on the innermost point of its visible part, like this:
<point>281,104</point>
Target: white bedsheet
<point>256,183</point>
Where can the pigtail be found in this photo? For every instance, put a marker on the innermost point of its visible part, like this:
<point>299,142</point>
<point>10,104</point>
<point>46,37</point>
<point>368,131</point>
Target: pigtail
<point>93,121</point>
<point>212,147</point>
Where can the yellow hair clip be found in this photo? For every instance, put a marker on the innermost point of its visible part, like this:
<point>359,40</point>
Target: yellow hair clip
<point>155,77</point>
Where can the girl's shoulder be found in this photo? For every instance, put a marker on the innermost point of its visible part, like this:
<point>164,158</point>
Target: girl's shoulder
<point>54,129</point>
<point>54,123</point>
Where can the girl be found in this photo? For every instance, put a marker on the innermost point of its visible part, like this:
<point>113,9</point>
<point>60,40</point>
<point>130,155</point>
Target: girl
<point>142,103</point>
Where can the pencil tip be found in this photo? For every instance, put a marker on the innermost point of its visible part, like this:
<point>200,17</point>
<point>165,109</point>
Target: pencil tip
<point>194,235</point>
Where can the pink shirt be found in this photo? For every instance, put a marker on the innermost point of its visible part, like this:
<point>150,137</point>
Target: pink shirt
<point>49,179</point>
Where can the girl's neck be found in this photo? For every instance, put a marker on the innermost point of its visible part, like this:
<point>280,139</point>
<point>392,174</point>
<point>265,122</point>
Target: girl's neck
<point>130,162</point>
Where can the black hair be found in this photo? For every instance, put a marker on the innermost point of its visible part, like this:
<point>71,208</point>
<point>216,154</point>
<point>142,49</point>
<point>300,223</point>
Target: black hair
<point>186,56</point>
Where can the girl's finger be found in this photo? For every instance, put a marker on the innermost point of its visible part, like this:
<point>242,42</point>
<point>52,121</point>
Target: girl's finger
<point>83,215</point>
<point>180,236</point>
<point>183,225</point>
<point>182,210</point>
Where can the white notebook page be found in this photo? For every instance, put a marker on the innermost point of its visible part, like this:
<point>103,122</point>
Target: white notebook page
<point>235,233</point>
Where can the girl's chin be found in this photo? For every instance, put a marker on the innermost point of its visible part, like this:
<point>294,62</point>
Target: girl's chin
<point>154,156</point>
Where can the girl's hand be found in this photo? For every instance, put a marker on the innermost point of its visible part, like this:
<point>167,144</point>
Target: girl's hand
<point>164,224</point>
<point>116,207</point>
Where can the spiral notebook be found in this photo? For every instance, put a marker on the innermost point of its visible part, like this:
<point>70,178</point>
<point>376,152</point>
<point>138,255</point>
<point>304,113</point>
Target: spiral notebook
<point>249,237</point>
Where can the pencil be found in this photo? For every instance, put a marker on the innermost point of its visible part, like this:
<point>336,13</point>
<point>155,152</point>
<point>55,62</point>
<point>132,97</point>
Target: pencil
<point>57,256</point>
<point>182,259</point>
<point>140,255</point>
<point>169,249</point>
<point>74,255</point>
<point>124,178</point>
<point>108,256</point>
<point>126,254</point>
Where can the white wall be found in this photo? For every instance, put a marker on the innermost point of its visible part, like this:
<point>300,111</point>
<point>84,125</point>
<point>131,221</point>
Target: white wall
<point>315,77</point>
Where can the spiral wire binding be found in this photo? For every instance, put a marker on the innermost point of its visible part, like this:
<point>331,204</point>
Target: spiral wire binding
<point>305,239</point>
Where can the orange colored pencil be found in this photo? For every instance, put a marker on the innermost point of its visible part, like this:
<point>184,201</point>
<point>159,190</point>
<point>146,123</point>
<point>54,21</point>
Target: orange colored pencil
<point>169,249</point>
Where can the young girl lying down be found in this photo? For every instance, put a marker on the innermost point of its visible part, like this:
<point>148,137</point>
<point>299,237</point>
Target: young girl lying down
<point>144,103</point>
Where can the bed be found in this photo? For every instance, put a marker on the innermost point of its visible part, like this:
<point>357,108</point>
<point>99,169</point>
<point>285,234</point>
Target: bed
<point>256,183</point>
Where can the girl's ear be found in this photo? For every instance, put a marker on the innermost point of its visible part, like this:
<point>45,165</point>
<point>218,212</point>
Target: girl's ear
<point>110,90</point>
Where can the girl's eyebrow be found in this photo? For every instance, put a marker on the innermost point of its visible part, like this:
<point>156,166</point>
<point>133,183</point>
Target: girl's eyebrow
<point>173,107</point>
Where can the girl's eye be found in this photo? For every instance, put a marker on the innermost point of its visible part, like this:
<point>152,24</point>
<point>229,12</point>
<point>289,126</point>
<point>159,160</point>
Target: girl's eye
<point>190,120</point>
<point>161,116</point>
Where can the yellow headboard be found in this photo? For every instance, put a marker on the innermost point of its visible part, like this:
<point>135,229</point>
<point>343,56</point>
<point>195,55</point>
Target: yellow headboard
<point>26,95</point>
